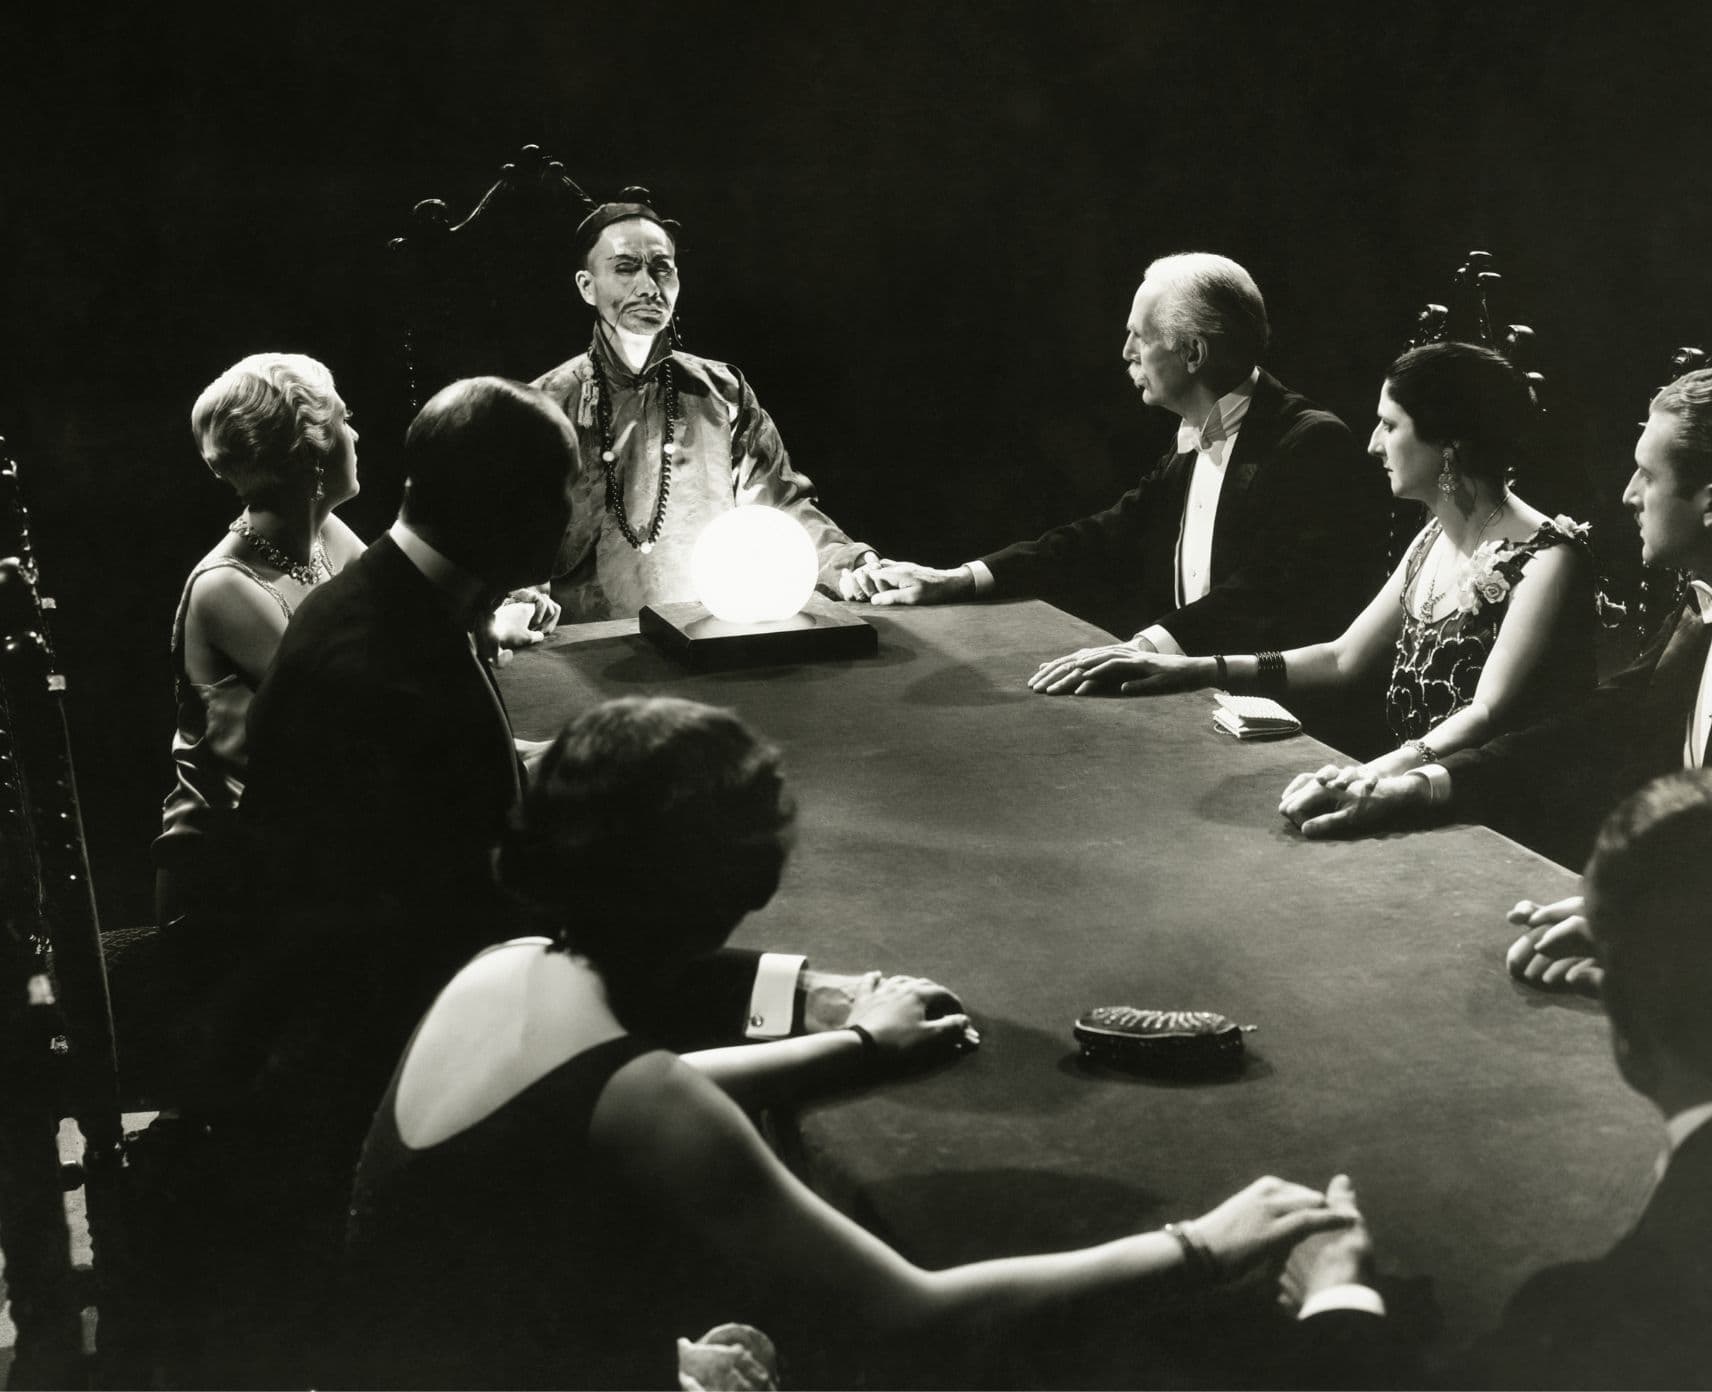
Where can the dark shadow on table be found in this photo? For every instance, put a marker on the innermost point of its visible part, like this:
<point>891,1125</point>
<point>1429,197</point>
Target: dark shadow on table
<point>989,1080</point>
<point>1253,1068</point>
<point>1534,998</point>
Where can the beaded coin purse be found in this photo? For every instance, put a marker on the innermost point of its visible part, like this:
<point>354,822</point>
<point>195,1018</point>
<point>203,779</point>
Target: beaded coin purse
<point>1160,1041</point>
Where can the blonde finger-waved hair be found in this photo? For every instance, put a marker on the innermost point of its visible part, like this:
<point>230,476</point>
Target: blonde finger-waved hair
<point>266,421</point>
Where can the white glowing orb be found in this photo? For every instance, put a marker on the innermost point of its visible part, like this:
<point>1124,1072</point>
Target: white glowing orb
<point>753,565</point>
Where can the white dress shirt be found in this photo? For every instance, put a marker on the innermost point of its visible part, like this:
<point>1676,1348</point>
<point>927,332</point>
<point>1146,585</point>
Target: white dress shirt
<point>1694,739</point>
<point>1211,443</point>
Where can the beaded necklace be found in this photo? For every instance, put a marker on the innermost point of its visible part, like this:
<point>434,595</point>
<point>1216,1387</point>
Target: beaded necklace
<point>609,458</point>
<point>305,573</point>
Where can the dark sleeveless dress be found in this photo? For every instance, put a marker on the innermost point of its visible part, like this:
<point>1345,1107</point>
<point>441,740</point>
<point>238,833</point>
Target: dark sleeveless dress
<point>1438,664</point>
<point>510,1255</point>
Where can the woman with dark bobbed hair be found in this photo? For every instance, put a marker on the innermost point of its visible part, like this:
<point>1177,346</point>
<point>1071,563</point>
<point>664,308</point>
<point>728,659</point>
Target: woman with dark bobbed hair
<point>547,1199</point>
<point>274,427</point>
<point>1486,622</point>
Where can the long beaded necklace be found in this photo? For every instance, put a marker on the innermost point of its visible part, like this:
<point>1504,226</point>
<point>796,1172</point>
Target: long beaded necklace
<point>609,458</point>
<point>1433,583</point>
<point>305,573</point>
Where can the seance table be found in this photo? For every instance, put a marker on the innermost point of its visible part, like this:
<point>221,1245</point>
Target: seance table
<point>1044,855</point>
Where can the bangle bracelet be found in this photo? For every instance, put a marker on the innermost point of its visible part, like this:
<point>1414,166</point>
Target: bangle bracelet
<point>1224,672</point>
<point>1271,674</point>
<point>870,1046</point>
<point>1423,751</point>
<point>1200,1264</point>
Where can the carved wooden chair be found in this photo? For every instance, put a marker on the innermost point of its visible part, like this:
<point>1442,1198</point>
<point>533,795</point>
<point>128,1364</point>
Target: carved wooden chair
<point>57,1054</point>
<point>1469,316</point>
<point>492,292</point>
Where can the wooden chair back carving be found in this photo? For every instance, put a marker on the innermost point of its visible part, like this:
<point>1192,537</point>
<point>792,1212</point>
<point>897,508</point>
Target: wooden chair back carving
<point>57,1056</point>
<point>492,292</point>
<point>1470,316</point>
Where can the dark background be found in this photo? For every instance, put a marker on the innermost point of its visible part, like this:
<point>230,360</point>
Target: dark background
<point>916,227</point>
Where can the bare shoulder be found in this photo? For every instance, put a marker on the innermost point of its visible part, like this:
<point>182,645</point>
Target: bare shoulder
<point>667,1118</point>
<point>228,597</point>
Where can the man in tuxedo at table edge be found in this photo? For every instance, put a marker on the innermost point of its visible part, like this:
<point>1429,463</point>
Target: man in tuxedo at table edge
<point>383,765</point>
<point>1262,529</point>
<point>1641,1314</point>
<point>1645,720</point>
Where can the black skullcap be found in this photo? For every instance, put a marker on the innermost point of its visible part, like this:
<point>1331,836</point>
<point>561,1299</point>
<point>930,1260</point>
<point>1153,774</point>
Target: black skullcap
<point>633,202</point>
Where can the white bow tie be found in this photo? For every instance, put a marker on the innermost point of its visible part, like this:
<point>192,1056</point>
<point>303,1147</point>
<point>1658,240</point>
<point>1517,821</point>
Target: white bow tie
<point>1193,441</point>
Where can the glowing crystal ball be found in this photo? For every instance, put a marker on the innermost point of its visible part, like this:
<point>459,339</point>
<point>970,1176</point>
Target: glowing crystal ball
<point>753,565</point>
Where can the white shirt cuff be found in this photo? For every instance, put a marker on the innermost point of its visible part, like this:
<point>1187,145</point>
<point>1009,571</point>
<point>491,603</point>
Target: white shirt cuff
<point>982,577</point>
<point>773,999</point>
<point>1345,1297</point>
<point>1438,781</point>
<point>1161,640</point>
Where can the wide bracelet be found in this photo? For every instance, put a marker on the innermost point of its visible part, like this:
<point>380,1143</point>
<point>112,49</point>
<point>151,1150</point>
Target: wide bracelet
<point>870,1046</point>
<point>1201,1265</point>
<point>1271,673</point>
<point>1423,751</point>
<point>1223,679</point>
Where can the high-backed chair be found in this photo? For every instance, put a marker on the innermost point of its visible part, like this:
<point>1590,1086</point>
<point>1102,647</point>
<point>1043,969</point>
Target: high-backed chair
<point>1470,316</point>
<point>493,291</point>
<point>57,1055</point>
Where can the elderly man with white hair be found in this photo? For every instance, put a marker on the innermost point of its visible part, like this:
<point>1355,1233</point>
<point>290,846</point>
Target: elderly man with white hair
<point>1260,530</point>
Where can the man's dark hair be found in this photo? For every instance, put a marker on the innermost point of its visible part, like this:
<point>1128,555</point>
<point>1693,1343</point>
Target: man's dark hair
<point>1469,395</point>
<point>1689,399</point>
<point>1650,897</point>
<point>482,454</point>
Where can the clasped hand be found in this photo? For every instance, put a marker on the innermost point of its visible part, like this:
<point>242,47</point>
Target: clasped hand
<point>909,1016</point>
<point>1128,669</point>
<point>1339,801</point>
<point>1262,1223</point>
<point>904,582</point>
<point>524,619</point>
<point>1557,950</point>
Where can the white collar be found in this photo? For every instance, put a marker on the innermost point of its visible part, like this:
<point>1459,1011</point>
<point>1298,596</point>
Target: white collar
<point>1684,1124</point>
<point>1702,593</point>
<point>1222,421</point>
<point>461,588</point>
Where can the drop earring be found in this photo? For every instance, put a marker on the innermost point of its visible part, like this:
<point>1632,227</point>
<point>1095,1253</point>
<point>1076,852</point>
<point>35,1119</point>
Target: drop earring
<point>1447,476</point>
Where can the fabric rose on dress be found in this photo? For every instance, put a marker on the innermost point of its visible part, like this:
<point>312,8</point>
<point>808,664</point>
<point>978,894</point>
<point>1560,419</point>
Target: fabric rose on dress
<point>1488,576</point>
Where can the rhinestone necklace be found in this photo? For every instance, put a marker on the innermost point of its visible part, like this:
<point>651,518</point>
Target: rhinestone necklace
<point>305,574</point>
<point>1433,584</point>
<point>609,458</point>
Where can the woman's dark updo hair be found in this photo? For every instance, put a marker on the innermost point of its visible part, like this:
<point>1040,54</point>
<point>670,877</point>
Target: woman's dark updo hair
<point>652,823</point>
<point>1469,396</point>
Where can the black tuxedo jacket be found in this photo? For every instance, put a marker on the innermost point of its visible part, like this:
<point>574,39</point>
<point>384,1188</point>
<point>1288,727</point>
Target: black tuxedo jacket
<point>1298,539</point>
<point>381,774</point>
<point>1552,783</point>
<point>1639,1316</point>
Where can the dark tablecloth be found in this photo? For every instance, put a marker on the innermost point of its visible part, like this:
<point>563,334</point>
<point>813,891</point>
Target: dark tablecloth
<point>1042,856</point>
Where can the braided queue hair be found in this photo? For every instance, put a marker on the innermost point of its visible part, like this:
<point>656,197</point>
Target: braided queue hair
<point>652,823</point>
<point>266,422</point>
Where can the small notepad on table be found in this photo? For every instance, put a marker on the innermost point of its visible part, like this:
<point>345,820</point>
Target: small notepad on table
<point>1253,717</point>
